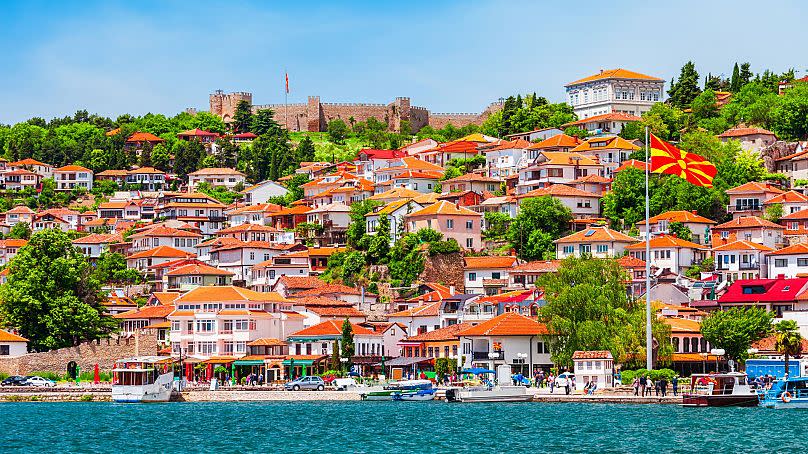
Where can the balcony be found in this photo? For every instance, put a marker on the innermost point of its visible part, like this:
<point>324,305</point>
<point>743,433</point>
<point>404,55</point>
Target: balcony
<point>744,208</point>
<point>483,356</point>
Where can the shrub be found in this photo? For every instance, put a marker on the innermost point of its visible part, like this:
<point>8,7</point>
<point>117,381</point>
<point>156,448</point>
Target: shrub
<point>627,376</point>
<point>3,376</point>
<point>47,374</point>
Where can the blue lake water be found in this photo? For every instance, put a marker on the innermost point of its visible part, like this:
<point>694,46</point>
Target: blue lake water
<point>393,427</point>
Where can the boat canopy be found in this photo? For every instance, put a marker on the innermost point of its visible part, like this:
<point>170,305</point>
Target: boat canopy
<point>404,361</point>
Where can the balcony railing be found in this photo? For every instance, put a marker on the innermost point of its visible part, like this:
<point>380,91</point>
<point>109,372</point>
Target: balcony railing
<point>740,208</point>
<point>479,356</point>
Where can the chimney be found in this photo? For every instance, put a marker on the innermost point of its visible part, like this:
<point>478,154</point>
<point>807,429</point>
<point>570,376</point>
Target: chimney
<point>601,70</point>
<point>451,290</point>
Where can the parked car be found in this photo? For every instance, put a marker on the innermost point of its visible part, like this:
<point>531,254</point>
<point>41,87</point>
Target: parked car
<point>14,380</point>
<point>308,382</point>
<point>562,380</point>
<point>344,384</point>
<point>40,382</point>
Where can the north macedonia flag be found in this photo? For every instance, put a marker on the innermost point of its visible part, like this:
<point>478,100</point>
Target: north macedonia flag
<point>665,158</point>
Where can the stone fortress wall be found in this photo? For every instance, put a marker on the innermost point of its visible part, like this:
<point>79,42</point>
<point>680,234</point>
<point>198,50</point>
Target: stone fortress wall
<point>314,115</point>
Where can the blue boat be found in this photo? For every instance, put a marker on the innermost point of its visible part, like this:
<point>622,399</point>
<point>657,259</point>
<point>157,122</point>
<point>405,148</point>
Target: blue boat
<point>788,393</point>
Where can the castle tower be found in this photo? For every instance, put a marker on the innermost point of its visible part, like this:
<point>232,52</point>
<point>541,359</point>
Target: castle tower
<point>314,115</point>
<point>224,105</point>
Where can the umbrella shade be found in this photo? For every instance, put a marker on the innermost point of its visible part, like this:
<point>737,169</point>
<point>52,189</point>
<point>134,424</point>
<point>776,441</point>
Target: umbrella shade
<point>477,371</point>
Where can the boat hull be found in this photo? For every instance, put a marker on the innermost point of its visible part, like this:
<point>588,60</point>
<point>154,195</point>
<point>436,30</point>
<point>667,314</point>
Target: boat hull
<point>730,400</point>
<point>159,391</point>
<point>417,396</point>
<point>504,394</point>
<point>778,404</point>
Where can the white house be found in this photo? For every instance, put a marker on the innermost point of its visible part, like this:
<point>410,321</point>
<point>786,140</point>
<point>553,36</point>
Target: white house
<point>506,158</point>
<point>789,261</point>
<point>486,274</point>
<point>742,260</point>
<point>594,241</point>
<point>263,191</point>
<point>72,176</point>
<point>510,338</point>
<point>593,366</point>
<point>614,91</point>
<point>699,226</point>
<point>749,228</point>
<point>395,212</point>
<point>12,345</point>
<point>215,176</point>
<point>670,252</point>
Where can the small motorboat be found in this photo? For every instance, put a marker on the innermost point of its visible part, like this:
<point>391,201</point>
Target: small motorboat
<point>487,391</point>
<point>401,390</point>
<point>720,390</point>
<point>787,393</point>
<point>142,379</point>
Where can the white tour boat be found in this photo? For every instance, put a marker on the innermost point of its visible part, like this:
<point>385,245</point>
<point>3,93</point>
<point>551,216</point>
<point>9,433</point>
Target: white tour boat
<point>142,379</point>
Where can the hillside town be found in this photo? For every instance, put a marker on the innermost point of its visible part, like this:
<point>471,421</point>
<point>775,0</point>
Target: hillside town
<point>265,245</point>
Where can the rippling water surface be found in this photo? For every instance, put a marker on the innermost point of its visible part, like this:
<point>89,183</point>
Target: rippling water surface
<point>395,427</point>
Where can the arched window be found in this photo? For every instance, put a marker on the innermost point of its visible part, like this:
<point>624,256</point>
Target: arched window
<point>675,343</point>
<point>704,345</point>
<point>686,345</point>
<point>694,344</point>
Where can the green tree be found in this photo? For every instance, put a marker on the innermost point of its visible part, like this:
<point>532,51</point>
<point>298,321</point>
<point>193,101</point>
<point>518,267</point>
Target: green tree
<point>357,227</point>
<point>294,186</point>
<point>347,343</point>
<point>337,131</point>
<point>735,329</point>
<point>335,364</point>
<point>263,122</point>
<point>52,296</point>
<point>683,91</point>
<point>681,231</point>
<point>21,230</point>
<point>735,80</point>
<point>378,245</point>
<point>160,157</point>
<point>497,225</point>
<point>305,150</point>
<point>790,117</point>
<point>788,340</point>
<point>540,221</point>
<point>588,309</point>
<point>242,117</point>
<point>774,212</point>
<point>227,155</point>
<point>111,269</point>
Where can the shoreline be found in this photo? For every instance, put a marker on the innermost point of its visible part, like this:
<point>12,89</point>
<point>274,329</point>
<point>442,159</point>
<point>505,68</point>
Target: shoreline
<point>100,394</point>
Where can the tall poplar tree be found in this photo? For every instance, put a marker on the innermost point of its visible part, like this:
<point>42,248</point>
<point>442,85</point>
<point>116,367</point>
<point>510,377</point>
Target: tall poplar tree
<point>686,88</point>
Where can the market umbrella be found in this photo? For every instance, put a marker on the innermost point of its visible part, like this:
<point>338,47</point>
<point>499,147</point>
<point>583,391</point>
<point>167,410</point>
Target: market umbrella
<point>96,375</point>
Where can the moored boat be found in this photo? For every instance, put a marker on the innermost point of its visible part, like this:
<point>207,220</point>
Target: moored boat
<point>411,390</point>
<point>720,390</point>
<point>488,394</point>
<point>142,379</point>
<point>788,393</point>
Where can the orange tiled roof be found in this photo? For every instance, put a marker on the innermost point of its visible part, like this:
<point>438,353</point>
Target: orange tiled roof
<point>28,162</point>
<point>799,248</point>
<point>336,311</point>
<point>667,241</point>
<point>558,190</point>
<point>787,197</point>
<point>592,354</point>
<point>217,171</point>
<point>327,289</point>
<point>754,186</point>
<point>228,293</point>
<point>566,158</point>
<point>331,328</point>
<point>99,238</point>
<point>444,208</point>
<point>162,252</point>
<point>247,228</point>
<point>557,141</point>
<point>144,137</point>
<point>746,222</point>
<point>165,231</point>
<point>538,266</point>
<point>73,168</point>
<point>628,261</point>
<point>165,298</point>
<point>611,143</point>
<point>146,312</point>
<point>615,116</point>
<point>682,325</point>
<point>426,310</point>
<point>300,282</point>
<point>485,262</point>
<point>593,179</point>
<point>399,193</point>
<point>20,209</point>
<point>507,324</point>
<point>5,336</point>
<point>631,164</point>
<point>618,73</point>
<point>597,234</point>
<point>742,245</point>
<point>198,269</point>
<point>678,216</point>
<point>266,342</point>
<point>472,177</point>
<point>740,132</point>
<point>448,333</point>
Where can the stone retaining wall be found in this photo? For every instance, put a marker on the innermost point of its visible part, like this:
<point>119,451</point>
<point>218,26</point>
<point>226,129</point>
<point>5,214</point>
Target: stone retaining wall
<point>247,396</point>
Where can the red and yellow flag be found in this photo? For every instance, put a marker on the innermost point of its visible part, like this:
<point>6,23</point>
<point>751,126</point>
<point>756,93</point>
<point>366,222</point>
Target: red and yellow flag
<point>665,158</point>
<point>287,82</point>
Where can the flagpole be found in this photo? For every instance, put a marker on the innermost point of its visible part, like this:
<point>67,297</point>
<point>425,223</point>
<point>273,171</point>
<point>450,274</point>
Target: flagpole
<point>649,342</point>
<point>286,101</point>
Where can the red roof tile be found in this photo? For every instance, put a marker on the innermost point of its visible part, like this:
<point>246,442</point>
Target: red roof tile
<point>507,324</point>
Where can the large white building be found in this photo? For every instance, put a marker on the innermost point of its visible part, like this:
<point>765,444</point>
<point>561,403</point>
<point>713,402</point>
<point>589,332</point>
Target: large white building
<point>614,91</point>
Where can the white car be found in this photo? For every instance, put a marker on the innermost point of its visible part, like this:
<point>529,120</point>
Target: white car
<point>562,379</point>
<point>40,382</point>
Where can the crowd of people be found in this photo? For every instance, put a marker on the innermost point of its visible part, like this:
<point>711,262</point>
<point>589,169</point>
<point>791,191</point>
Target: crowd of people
<point>647,386</point>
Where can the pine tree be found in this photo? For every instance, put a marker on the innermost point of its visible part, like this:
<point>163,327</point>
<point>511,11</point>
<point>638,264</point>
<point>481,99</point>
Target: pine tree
<point>242,118</point>
<point>735,81</point>
<point>347,343</point>
<point>263,122</point>
<point>684,90</point>
<point>745,75</point>
<point>305,150</point>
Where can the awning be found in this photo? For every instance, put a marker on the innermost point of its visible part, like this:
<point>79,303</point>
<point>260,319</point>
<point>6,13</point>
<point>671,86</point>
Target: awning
<point>249,362</point>
<point>477,371</point>
<point>299,362</point>
<point>405,361</point>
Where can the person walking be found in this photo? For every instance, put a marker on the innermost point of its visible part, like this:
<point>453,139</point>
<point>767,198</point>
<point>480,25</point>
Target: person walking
<point>636,385</point>
<point>551,382</point>
<point>643,384</point>
<point>675,384</point>
<point>663,386</point>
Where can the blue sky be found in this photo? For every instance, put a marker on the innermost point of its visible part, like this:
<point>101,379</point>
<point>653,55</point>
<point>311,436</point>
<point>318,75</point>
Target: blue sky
<point>449,56</point>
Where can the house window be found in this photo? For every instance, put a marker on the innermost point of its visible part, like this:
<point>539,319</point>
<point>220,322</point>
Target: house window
<point>802,262</point>
<point>780,263</point>
<point>496,275</point>
<point>5,350</point>
<point>450,223</point>
<point>585,249</point>
<point>469,243</point>
<point>569,249</point>
<point>204,326</point>
<point>472,277</point>
<point>602,248</point>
